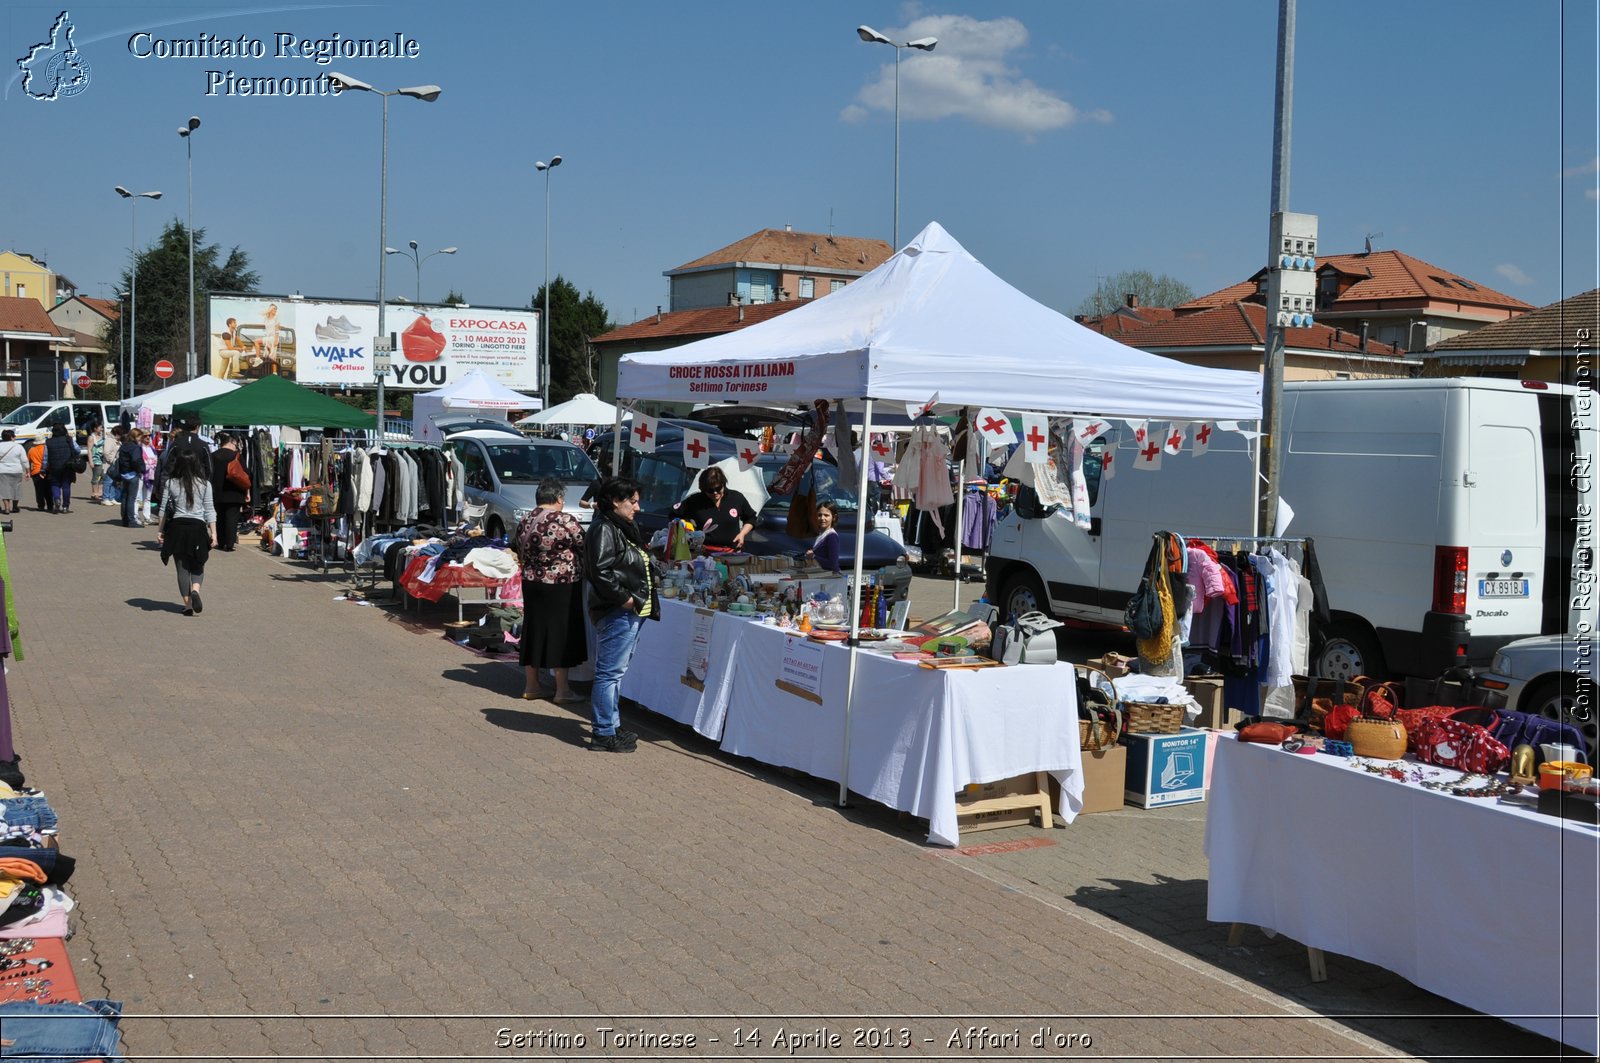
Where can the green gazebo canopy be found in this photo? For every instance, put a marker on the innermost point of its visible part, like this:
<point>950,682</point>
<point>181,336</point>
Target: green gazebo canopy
<point>272,400</point>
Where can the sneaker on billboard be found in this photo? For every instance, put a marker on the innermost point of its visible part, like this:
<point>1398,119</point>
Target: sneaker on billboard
<point>344,324</point>
<point>331,334</point>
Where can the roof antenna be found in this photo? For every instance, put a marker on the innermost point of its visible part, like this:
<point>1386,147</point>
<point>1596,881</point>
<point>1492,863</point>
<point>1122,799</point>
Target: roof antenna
<point>830,225</point>
<point>1369,241</point>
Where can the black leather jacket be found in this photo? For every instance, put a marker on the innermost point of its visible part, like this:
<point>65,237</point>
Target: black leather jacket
<point>615,568</point>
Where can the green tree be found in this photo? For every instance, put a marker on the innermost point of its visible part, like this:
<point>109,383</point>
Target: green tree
<point>455,298</point>
<point>163,316</point>
<point>1151,290</point>
<point>574,321</point>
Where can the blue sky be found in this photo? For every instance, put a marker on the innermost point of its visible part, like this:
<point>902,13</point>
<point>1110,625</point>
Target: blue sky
<point>1059,141</point>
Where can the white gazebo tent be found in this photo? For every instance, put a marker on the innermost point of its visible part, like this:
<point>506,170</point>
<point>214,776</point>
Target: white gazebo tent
<point>476,390</point>
<point>933,326</point>
<point>580,409</point>
<point>162,400</point>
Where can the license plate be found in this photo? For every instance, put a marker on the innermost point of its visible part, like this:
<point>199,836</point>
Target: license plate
<point>1502,588</point>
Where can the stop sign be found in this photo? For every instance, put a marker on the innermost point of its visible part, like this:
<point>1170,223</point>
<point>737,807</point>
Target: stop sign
<point>82,381</point>
<point>164,369</point>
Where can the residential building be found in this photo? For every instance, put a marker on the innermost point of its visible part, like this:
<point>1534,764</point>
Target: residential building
<point>1555,343</point>
<point>772,266</point>
<point>88,322</point>
<point>26,331</point>
<point>24,277</point>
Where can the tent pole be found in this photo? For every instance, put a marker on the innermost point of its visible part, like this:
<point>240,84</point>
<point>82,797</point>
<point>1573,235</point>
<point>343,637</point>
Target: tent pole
<point>961,500</point>
<point>616,442</point>
<point>855,601</point>
<point>1255,483</point>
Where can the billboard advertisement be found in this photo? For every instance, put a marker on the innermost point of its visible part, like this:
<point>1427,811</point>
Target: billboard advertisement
<point>326,343</point>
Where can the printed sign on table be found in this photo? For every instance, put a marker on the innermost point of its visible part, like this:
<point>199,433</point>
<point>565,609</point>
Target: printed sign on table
<point>801,670</point>
<point>699,648</point>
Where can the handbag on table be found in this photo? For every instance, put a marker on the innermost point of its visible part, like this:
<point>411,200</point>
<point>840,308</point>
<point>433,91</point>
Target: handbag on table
<point>1029,639</point>
<point>1455,742</point>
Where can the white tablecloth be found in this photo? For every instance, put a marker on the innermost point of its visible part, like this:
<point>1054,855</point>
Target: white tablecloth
<point>655,676</point>
<point>1488,904</point>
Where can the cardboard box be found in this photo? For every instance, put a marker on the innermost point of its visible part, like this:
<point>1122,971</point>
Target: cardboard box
<point>1207,690</point>
<point>1166,769</point>
<point>1105,774</point>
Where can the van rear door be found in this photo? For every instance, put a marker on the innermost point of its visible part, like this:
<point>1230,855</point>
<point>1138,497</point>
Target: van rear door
<point>1505,562</point>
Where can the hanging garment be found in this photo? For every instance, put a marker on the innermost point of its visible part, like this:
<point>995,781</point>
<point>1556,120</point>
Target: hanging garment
<point>978,515</point>
<point>362,463</point>
<point>1080,486</point>
<point>933,478</point>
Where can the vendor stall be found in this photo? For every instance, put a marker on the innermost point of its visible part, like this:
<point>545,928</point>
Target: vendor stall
<point>1481,900</point>
<point>161,401</point>
<point>930,331</point>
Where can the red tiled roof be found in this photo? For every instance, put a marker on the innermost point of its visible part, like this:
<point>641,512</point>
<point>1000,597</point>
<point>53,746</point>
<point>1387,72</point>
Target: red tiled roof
<point>25,315</point>
<point>1124,321</point>
<point>781,247</point>
<point>1387,275</point>
<point>1244,325</point>
<point>1549,328</point>
<point>106,308</point>
<point>704,321</point>
<point>1231,294</point>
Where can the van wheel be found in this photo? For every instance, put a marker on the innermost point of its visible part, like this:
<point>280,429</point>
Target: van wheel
<point>1023,594</point>
<point>1573,705</point>
<point>494,529</point>
<point>1348,650</point>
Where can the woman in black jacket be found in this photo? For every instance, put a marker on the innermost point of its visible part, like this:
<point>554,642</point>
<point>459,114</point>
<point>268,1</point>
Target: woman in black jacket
<point>622,596</point>
<point>60,466</point>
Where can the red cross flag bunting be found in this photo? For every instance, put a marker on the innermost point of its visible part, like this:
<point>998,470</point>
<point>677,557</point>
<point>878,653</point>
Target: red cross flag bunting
<point>643,434</point>
<point>918,410</point>
<point>1087,430</point>
<point>1148,456</point>
<point>747,454</point>
<point>882,448</point>
<point>1202,438</point>
<point>696,449</point>
<point>995,427</point>
<point>1140,429</point>
<point>1035,438</point>
<point>1108,462</point>
<point>1174,438</point>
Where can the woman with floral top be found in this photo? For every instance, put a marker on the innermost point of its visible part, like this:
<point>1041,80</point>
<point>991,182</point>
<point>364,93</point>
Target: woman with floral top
<point>549,544</point>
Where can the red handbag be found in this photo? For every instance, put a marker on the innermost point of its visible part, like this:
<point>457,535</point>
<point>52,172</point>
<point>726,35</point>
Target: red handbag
<point>1453,743</point>
<point>1338,720</point>
<point>1413,719</point>
<point>1266,731</point>
<point>1381,700</point>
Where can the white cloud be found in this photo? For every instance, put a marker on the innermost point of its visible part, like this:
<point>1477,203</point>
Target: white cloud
<point>1591,193</point>
<point>1513,273</point>
<point>971,74</point>
<point>1592,166</point>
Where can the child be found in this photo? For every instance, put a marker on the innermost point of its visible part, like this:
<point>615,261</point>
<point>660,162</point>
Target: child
<point>825,551</point>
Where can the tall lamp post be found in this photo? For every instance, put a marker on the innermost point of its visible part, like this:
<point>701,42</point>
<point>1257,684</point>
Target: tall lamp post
<point>544,347</point>
<point>426,93</point>
<point>133,287</point>
<point>187,133</point>
<point>412,254</point>
<point>923,44</point>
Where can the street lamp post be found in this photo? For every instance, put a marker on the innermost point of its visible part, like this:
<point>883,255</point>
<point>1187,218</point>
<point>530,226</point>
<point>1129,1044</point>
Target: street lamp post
<point>924,44</point>
<point>133,287</point>
<point>187,133</point>
<point>426,93</point>
<point>544,347</point>
<point>412,254</point>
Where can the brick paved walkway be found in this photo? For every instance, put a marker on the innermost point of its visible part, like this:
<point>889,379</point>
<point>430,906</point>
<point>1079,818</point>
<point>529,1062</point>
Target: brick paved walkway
<point>292,808</point>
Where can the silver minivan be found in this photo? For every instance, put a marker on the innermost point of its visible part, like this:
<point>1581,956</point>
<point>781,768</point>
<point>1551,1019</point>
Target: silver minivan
<point>504,469</point>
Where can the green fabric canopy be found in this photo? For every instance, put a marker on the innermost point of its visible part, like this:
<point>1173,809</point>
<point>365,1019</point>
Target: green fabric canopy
<point>272,400</point>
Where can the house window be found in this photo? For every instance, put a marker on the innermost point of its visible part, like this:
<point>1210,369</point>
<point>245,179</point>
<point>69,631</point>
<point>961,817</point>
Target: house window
<point>834,286</point>
<point>22,291</point>
<point>808,288</point>
<point>760,286</point>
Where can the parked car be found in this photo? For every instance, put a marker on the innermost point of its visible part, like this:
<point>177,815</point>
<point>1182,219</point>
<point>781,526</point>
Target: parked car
<point>35,420</point>
<point>1550,676</point>
<point>504,469</point>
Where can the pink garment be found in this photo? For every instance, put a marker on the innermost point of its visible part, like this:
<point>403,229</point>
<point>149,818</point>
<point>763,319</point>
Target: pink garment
<point>149,463</point>
<point>1205,577</point>
<point>933,478</point>
<point>52,924</point>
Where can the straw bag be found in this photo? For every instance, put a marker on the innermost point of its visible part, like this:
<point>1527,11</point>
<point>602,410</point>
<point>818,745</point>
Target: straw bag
<point>1380,739</point>
<point>1099,718</point>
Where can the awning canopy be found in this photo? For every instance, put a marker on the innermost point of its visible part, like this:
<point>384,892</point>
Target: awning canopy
<point>272,400</point>
<point>479,390</point>
<point>934,321</point>
<point>162,400</point>
<point>580,409</point>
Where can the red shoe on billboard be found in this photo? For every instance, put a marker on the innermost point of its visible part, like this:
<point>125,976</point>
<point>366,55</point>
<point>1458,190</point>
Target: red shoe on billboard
<point>420,342</point>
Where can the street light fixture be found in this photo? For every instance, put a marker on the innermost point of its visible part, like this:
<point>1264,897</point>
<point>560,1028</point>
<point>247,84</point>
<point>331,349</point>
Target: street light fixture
<point>922,44</point>
<point>427,94</point>
<point>133,287</point>
<point>412,254</point>
<point>544,347</point>
<point>187,133</point>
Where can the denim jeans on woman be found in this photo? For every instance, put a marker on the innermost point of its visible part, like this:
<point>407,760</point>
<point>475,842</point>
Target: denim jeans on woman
<point>616,635</point>
<point>130,501</point>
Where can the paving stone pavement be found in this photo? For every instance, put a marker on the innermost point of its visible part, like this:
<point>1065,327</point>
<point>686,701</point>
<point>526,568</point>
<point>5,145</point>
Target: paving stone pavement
<point>310,829</point>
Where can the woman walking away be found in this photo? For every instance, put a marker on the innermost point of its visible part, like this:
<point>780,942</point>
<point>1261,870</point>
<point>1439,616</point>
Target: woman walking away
<point>549,544</point>
<point>36,473</point>
<point>188,527</point>
<point>60,465</point>
<point>622,596</point>
<point>13,470</point>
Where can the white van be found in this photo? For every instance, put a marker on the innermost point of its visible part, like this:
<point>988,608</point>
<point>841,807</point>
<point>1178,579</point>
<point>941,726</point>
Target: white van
<point>36,420</point>
<point>1444,512</point>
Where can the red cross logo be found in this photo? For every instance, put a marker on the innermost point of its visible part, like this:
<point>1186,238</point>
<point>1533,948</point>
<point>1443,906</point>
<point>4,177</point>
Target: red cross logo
<point>695,447</point>
<point>748,454</point>
<point>1094,429</point>
<point>881,448</point>
<point>1149,453</point>
<point>1204,435</point>
<point>1035,437</point>
<point>1138,437</point>
<point>642,430</point>
<point>1176,440</point>
<point>1110,456</point>
<point>994,425</point>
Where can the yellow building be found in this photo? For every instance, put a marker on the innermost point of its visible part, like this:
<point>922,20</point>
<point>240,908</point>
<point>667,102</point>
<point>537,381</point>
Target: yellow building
<point>23,277</point>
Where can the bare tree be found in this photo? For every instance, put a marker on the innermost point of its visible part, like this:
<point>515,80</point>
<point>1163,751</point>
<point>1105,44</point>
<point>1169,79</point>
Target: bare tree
<point>1147,288</point>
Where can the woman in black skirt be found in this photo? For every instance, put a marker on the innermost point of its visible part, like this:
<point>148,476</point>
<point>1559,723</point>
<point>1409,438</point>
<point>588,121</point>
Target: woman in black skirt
<point>549,544</point>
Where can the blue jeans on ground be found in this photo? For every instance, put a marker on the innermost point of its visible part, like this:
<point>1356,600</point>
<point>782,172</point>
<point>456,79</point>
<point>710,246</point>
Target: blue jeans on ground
<point>62,1031</point>
<point>130,497</point>
<point>616,635</point>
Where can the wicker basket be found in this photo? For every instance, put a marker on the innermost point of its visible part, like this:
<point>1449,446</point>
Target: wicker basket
<point>1096,734</point>
<point>1150,718</point>
<point>1370,736</point>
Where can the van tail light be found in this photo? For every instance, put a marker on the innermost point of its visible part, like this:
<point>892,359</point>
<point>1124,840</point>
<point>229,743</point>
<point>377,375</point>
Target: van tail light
<point>1450,579</point>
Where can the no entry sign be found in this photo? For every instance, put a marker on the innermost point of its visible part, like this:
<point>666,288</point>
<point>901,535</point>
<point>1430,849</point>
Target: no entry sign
<point>164,369</point>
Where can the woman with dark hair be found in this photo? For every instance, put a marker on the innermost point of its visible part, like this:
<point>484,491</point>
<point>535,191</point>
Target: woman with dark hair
<point>622,596</point>
<point>60,461</point>
<point>188,527</point>
<point>725,516</point>
<point>549,545</point>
